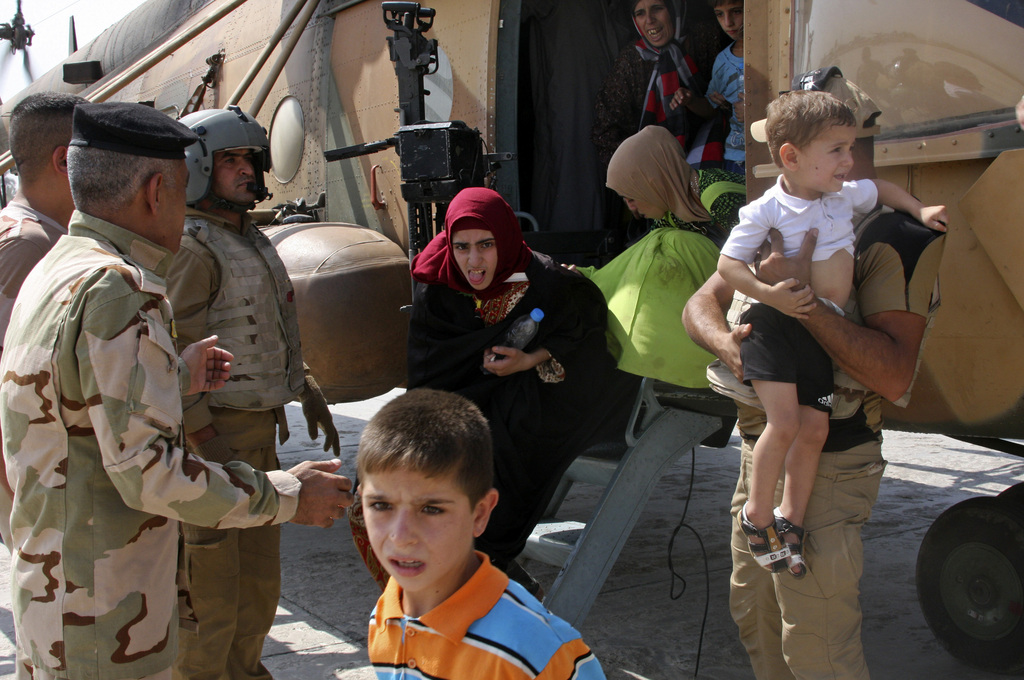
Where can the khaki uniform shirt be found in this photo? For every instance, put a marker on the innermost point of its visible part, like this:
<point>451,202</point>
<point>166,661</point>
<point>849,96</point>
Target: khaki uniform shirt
<point>90,409</point>
<point>25,236</point>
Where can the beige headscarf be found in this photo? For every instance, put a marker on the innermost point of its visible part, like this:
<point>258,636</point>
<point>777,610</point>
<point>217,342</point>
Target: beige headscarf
<point>651,167</point>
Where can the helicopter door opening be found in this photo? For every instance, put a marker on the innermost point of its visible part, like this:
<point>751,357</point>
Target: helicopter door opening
<point>566,49</point>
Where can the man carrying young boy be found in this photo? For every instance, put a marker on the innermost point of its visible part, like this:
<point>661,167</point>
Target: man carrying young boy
<point>811,628</point>
<point>425,470</point>
<point>811,137</point>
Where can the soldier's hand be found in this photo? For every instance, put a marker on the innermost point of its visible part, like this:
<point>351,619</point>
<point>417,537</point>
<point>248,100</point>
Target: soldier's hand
<point>774,267</point>
<point>209,367</point>
<point>314,408</point>
<point>730,352</point>
<point>324,495</point>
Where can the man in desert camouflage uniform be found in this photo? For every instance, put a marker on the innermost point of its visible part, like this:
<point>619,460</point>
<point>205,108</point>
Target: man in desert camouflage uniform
<point>37,216</point>
<point>91,414</point>
<point>228,280</point>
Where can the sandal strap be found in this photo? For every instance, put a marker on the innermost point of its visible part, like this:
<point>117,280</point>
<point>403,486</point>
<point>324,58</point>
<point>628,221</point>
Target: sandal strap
<point>784,526</point>
<point>773,551</point>
<point>774,559</point>
<point>797,565</point>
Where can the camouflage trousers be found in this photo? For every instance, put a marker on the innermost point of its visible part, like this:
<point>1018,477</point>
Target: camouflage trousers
<point>809,629</point>
<point>6,505</point>
<point>28,673</point>
<point>232,576</point>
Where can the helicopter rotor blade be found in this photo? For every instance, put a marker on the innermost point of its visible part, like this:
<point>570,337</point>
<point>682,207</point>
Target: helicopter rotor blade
<point>26,62</point>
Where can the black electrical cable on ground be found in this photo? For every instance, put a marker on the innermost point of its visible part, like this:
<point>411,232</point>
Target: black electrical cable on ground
<point>675,575</point>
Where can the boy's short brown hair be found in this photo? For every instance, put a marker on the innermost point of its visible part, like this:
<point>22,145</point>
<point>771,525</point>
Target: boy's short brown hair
<point>434,433</point>
<point>798,117</point>
<point>713,4</point>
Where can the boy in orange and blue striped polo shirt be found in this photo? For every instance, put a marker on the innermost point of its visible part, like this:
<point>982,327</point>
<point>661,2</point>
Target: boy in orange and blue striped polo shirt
<point>426,485</point>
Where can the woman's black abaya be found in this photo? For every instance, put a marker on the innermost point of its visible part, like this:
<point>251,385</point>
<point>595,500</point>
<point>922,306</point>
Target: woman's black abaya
<point>538,428</point>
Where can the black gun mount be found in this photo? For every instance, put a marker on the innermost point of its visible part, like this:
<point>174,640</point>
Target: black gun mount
<point>414,56</point>
<point>437,160</point>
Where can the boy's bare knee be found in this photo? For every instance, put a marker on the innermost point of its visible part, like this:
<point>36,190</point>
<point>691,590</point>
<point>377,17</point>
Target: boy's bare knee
<point>785,427</point>
<point>814,425</point>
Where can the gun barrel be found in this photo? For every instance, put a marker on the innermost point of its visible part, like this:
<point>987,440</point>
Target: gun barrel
<point>359,149</point>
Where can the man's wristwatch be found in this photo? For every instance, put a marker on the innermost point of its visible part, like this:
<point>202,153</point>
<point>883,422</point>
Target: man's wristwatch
<point>832,305</point>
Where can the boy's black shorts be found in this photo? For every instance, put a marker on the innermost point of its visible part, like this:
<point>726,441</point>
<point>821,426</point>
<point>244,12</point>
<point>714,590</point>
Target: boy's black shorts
<point>780,349</point>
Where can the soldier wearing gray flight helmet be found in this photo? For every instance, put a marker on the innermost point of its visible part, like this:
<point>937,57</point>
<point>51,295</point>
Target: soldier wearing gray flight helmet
<point>228,280</point>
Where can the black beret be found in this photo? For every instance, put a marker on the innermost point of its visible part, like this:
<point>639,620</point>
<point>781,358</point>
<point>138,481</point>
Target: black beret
<point>134,129</point>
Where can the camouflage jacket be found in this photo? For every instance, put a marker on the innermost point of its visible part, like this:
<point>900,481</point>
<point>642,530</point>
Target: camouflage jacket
<point>90,410</point>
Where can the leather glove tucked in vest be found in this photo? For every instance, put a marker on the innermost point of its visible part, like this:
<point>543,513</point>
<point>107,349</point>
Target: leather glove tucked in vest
<point>314,408</point>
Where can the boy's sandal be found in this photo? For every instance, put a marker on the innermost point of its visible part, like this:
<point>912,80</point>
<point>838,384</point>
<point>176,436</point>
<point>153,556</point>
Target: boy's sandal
<point>772,553</point>
<point>797,565</point>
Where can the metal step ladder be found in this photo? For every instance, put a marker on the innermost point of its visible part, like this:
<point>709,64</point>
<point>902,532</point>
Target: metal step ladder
<point>661,428</point>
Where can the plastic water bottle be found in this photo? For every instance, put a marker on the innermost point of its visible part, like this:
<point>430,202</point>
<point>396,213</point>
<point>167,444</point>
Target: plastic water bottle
<point>523,330</point>
<point>519,334</point>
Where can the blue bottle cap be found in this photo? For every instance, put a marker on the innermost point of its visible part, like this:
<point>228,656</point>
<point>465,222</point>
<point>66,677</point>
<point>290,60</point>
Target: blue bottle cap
<point>537,314</point>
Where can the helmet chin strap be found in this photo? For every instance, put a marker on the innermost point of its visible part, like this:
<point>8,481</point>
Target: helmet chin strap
<point>219,203</point>
<point>261,194</point>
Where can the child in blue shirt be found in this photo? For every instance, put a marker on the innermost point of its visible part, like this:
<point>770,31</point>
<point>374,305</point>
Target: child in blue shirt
<point>726,86</point>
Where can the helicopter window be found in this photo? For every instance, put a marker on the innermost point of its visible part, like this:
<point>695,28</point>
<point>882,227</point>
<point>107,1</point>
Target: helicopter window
<point>950,67</point>
<point>287,134</point>
<point>172,97</point>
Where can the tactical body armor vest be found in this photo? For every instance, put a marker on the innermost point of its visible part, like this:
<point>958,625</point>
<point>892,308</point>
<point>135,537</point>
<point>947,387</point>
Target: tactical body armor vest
<point>254,316</point>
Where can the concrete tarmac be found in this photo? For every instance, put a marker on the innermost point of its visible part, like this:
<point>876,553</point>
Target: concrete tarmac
<point>646,623</point>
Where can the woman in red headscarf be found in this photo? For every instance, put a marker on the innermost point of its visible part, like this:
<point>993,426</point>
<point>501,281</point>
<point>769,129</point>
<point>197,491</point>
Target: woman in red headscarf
<point>545,403</point>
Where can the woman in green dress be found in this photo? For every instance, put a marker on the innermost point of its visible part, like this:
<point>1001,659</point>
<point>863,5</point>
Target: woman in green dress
<point>647,286</point>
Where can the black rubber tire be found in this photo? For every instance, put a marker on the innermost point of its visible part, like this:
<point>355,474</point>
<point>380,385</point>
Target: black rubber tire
<point>970,582</point>
<point>1014,494</point>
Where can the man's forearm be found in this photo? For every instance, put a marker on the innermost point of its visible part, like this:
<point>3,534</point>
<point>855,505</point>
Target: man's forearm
<point>704,320</point>
<point>881,355</point>
<point>703,315</point>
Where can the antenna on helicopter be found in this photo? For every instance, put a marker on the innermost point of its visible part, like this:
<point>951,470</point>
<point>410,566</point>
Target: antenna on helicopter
<point>19,34</point>
<point>72,36</point>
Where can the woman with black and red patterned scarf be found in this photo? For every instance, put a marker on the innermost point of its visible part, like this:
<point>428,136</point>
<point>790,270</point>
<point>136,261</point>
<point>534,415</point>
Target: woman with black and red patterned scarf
<point>661,79</point>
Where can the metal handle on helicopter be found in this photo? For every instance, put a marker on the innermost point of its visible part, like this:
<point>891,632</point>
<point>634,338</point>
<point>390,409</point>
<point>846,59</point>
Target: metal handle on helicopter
<point>376,196</point>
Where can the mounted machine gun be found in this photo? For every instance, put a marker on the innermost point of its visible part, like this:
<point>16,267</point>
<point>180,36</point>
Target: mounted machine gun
<point>437,159</point>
